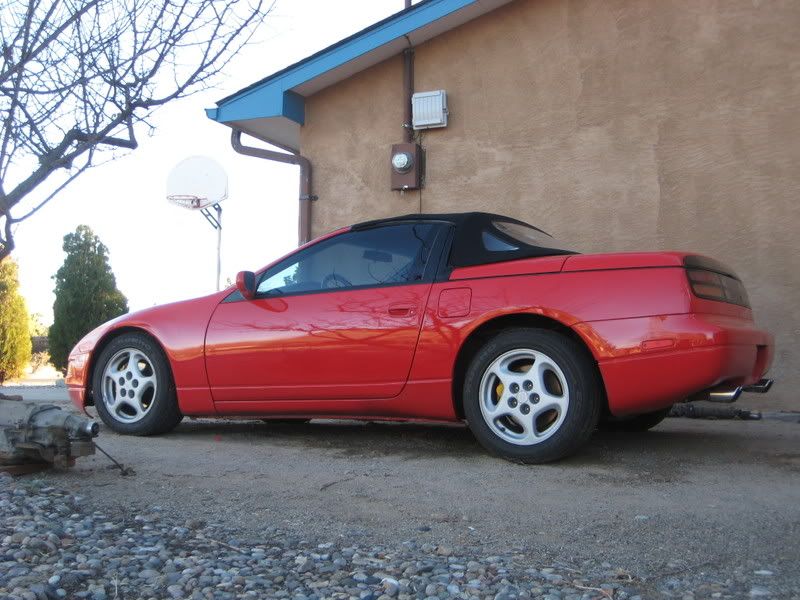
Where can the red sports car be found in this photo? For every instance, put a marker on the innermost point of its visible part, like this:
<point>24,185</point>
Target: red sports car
<point>442,317</point>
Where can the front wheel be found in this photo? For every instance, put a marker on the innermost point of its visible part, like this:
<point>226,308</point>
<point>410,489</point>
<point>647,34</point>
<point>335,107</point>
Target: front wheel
<point>132,387</point>
<point>532,395</point>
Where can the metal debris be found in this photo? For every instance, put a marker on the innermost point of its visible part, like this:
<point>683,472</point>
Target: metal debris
<point>698,411</point>
<point>786,416</point>
<point>32,433</point>
<point>123,470</point>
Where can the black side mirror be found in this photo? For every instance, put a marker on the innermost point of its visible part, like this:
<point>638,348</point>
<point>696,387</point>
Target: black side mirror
<point>246,284</point>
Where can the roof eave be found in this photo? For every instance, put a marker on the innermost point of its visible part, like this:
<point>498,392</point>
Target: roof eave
<point>280,97</point>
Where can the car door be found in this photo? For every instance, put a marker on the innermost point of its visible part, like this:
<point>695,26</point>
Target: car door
<point>338,319</point>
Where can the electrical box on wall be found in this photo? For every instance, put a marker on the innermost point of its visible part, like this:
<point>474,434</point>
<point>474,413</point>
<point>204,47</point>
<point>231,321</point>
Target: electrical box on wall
<point>429,109</point>
<point>405,164</point>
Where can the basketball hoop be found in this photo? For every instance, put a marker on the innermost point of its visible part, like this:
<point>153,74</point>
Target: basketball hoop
<point>190,202</point>
<point>199,183</point>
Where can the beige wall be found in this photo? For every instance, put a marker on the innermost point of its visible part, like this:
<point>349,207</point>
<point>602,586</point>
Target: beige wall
<point>617,124</point>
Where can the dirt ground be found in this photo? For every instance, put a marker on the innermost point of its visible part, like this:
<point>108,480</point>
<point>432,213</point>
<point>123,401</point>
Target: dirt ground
<point>721,495</point>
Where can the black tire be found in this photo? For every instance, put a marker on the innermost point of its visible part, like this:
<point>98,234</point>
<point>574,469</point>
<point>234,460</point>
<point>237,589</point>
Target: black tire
<point>585,394</point>
<point>162,413</point>
<point>634,424</point>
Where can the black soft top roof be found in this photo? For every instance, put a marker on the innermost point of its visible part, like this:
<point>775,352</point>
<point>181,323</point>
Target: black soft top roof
<point>469,247</point>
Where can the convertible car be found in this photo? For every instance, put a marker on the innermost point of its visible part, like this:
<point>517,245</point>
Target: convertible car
<point>443,317</point>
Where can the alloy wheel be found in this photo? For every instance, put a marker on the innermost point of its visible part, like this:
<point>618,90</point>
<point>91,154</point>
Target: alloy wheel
<point>524,397</point>
<point>129,385</point>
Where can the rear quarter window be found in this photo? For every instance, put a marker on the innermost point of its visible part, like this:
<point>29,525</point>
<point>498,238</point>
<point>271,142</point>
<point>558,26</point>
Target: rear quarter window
<point>529,236</point>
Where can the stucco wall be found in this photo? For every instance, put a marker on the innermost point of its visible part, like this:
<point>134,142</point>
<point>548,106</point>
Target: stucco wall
<point>619,125</point>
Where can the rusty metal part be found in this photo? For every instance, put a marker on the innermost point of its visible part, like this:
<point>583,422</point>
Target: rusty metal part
<point>123,470</point>
<point>696,411</point>
<point>34,433</point>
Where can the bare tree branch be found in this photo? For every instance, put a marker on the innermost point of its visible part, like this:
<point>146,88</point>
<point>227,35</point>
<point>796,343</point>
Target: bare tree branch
<point>77,77</point>
<point>55,192</point>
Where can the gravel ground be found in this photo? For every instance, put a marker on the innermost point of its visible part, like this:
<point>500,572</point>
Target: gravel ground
<point>693,509</point>
<point>53,547</point>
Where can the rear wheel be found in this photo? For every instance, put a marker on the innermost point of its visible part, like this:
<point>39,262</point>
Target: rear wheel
<point>133,389</point>
<point>532,395</point>
<point>632,424</point>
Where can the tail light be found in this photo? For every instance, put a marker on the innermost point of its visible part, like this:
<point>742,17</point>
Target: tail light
<point>714,281</point>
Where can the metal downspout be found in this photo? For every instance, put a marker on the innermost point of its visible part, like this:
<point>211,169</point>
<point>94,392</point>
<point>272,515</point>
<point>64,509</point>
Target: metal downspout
<point>304,224</point>
<point>408,92</point>
<point>408,87</point>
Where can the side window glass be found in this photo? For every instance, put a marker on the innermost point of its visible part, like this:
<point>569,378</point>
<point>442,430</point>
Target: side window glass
<point>283,279</point>
<point>392,254</point>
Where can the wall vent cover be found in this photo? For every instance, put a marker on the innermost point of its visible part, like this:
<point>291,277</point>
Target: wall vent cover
<point>429,109</point>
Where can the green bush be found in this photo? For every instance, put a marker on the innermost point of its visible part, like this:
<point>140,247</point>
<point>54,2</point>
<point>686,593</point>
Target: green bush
<point>86,293</point>
<point>15,339</point>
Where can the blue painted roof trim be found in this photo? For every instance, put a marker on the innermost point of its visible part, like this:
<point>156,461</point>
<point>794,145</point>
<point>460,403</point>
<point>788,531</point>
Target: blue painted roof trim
<point>273,96</point>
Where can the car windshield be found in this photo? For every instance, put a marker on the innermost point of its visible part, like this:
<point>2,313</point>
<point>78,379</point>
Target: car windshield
<point>531,236</point>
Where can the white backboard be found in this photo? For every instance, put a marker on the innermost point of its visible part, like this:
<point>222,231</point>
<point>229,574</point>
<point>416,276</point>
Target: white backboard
<point>197,182</point>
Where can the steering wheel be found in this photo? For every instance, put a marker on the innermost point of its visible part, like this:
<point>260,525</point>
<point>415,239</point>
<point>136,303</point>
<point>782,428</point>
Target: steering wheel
<point>334,280</point>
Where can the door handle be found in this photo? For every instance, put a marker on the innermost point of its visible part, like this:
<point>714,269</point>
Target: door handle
<point>402,310</point>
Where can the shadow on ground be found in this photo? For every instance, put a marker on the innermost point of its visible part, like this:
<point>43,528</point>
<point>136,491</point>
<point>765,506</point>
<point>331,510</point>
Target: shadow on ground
<point>421,441</point>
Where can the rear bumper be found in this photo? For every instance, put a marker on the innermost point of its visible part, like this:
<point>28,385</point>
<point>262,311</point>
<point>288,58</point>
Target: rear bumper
<point>653,362</point>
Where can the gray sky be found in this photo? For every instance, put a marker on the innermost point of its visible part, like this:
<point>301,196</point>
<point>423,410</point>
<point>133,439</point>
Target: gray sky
<point>159,252</point>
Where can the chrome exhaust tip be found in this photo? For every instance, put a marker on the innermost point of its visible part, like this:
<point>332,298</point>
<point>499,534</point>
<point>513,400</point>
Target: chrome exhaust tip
<point>719,394</point>
<point>762,387</point>
<point>725,396</point>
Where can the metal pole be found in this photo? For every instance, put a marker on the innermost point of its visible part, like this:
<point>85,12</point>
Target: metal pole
<point>216,223</point>
<point>219,243</point>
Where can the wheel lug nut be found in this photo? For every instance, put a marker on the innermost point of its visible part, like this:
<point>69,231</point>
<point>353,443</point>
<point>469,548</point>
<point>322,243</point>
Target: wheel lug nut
<point>514,388</point>
<point>122,381</point>
<point>528,385</point>
<point>135,383</point>
<point>534,398</point>
<point>524,409</point>
<point>130,393</point>
<point>512,402</point>
<point>128,375</point>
